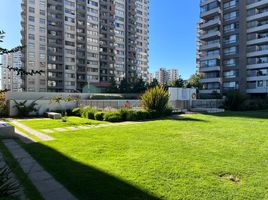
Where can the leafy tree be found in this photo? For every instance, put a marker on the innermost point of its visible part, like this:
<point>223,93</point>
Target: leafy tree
<point>113,88</point>
<point>153,84</point>
<point>194,81</point>
<point>124,86</point>
<point>178,83</point>
<point>138,86</point>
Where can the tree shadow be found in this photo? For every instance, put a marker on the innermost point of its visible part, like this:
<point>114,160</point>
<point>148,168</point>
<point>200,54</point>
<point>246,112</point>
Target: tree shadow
<point>85,182</point>
<point>262,114</point>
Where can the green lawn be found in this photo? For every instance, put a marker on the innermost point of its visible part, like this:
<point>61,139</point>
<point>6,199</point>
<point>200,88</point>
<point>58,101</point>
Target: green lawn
<point>49,123</point>
<point>222,156</point>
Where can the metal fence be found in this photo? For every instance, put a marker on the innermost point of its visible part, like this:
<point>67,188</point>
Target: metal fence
<point>116,104</point>
<point>207,103</point>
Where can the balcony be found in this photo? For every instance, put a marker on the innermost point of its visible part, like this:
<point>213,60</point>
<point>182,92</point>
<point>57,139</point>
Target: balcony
<point>257,41</point>
<point>210,23</point>
<point>257,28</point>
<point>210,35</point>
<point>209,91</point>
<point>257,65</point>
<point>257,78</point>
<point>257,3</point>
<point>257,16</point>
<point>209,69</point>
<point>258,90</point>
<point>211,12</point>
<point>215,45</point>
<point>210,57</point>
<point>205,2</point>
<point>210,80</point>
<point>258,53</point>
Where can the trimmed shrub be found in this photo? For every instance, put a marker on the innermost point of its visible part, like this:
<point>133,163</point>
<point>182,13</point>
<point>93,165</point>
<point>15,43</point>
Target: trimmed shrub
<point>3,110</point>
<point>88,112</point>
<point>99,116</point>
<point>142,114</point>
<point>112,117</point>
<point>132,115</point>
<point>124,113</point>
<point>235,100</point>
<point>156,99</point>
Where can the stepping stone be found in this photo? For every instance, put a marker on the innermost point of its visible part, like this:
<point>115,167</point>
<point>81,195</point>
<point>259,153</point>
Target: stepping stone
<point>41,136</point>
<point>60,129</point>
<point>47,131</point>
<point>72,128</point>
<point>82,127</point>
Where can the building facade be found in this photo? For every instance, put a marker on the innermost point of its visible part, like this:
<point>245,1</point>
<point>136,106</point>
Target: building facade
<point>82,42</point>
<point>233,46</point>
<point>166,76</point>
<point>10,79</point>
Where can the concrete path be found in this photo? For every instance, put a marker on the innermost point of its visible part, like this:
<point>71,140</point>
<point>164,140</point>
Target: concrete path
<point>23,137</point>
<point>39,135</point>
<point>49,188</point>
<point>77,128</point>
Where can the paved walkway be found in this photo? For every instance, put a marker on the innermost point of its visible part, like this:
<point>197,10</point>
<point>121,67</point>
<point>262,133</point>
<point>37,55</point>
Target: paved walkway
<point>76,128</point>
<point>49,188</point>
<point>39,135</point>
<point>23,137</point>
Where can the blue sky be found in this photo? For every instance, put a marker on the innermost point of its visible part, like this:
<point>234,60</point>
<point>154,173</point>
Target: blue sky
<point>172,32</point>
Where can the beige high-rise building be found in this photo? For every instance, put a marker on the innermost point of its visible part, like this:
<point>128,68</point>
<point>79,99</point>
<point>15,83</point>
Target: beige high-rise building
<point>166,76</point>
<point>81,42</point>
<point>10,79</point>
<point>233,46</point>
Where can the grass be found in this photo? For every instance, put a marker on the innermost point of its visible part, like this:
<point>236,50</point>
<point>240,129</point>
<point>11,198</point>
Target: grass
<point>49,123</point>
<point>29,190</point>
<point>223,156</point>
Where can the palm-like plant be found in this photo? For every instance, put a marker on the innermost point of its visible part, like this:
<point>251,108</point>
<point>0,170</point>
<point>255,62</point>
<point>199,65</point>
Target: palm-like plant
<point>156,99</point>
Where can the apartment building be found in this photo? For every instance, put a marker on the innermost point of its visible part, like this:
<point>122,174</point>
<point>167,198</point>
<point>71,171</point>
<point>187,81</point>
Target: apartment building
<point>233,46</point>
<point>10,79</point>
<point>166,76</point>
<point>82,42</point>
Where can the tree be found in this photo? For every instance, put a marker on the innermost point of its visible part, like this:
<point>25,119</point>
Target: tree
<point>138,86</point>
<point>194,81</point>
<point>153,84</point>
<point>124,86</point>
<point>178,83</point>
<point>113,88</point>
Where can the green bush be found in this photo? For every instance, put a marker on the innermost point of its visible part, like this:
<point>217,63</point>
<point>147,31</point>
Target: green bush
<point>235,101</point>
<point>143,114</point>
<point>124,113</point>
<point>112,117</point>
<point>132,115</point>
<point>156,99</point>
<point>3,110</point>
<point>99,116</point>
<point>88,112</point>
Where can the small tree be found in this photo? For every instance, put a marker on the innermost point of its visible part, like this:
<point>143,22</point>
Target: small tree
<point>235,100</point>
<point>194,82</point>
<point>178,83</point>
<point>113,88</point>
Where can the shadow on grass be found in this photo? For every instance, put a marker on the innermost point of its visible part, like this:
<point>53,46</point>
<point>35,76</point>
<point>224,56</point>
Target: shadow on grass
<point>85,182</point>
<point>261,114</point>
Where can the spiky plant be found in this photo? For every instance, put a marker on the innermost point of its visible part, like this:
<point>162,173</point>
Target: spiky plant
<point>8,185</point>
<point>156,99</point>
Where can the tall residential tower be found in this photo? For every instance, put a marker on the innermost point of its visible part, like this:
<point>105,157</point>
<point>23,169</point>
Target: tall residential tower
<point>233,46</point>
<point>82,42</point>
